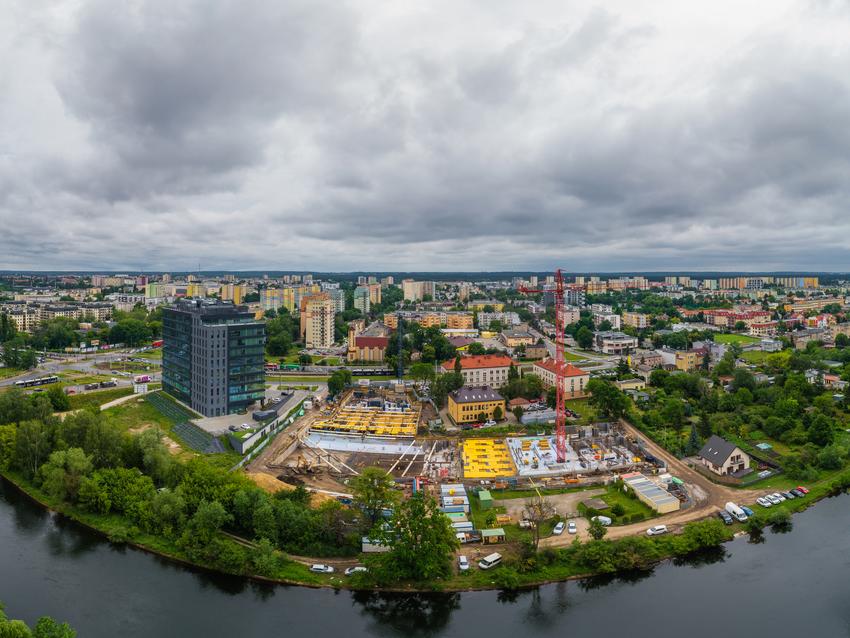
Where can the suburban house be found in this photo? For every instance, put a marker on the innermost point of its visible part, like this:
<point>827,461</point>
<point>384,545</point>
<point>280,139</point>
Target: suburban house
<point>722,457</point>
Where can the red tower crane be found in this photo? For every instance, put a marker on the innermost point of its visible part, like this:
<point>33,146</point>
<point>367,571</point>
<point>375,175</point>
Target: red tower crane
<point>560,410</point>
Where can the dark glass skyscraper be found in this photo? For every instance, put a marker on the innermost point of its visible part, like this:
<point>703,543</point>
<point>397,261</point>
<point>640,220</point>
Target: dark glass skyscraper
<point>212,356</point>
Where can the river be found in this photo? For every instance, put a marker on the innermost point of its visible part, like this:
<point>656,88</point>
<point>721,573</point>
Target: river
<point>795,584</point>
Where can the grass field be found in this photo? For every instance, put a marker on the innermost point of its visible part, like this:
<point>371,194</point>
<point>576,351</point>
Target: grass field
<point>755,356</point>
<point>153,355</point>
<point>583,408</point>
<point>97,399</point>
<point>569,356</point>
<point>742,340</point>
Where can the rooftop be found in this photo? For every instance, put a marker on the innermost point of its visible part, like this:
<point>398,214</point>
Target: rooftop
<point>475,394</point>
<point>569,369</point>
<point>479,361</point>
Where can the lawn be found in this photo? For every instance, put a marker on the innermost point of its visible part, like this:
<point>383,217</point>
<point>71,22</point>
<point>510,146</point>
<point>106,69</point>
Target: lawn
<point>755,356</point>
<point>583,408</point>
<point>569,356</point>
<point>153,355</point>
<point>633,509</point>
<point>97,398</point>
<point>135,414</point>
<point>5,373</point>
<point>742,340</point>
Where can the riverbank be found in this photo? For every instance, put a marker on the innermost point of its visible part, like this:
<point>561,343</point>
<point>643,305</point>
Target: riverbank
<point>546,567</point>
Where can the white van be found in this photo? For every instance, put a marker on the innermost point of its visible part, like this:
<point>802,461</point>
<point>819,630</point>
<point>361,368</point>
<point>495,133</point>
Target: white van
<point>490,561</point>
<point>736,511</point>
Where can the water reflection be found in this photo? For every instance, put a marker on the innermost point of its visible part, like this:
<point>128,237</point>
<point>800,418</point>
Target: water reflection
<point>411,615</point>
<point>708,556</point>
<point>603,580</point>
<point>28,520</point>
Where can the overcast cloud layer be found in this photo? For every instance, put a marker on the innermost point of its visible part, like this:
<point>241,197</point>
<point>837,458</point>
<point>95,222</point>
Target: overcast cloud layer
<point>441,135</point>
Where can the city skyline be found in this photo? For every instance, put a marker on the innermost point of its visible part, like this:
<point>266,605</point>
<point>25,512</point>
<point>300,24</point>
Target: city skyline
<point>632,138</point>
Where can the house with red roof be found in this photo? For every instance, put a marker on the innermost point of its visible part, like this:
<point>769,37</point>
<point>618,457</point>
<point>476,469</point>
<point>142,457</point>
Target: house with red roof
<point>575,379</point>
<point>484,369</point>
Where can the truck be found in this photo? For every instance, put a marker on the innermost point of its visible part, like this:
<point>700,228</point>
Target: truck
<point>736,512</point>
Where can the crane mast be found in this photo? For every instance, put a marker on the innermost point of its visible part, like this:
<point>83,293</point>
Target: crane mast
<point>560,377</point>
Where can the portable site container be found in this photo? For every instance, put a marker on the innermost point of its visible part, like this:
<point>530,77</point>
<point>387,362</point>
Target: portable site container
<point>485,499</point>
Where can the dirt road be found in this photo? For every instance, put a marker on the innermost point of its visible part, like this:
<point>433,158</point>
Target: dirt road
<point>708,498</point>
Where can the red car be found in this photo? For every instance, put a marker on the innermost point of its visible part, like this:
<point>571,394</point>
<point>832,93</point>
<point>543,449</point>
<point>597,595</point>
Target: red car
<point>803,489</point>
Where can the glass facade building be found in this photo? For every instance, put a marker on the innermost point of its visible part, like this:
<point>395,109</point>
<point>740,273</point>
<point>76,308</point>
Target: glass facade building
<point>212,356</point>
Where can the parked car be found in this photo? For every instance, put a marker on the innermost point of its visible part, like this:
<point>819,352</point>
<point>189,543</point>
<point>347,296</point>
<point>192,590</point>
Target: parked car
<point>778,496</point>
<point>797,493</point>
<point>572,528</point>
<point>462,563</point>
<point>602,519</point>
<point>489,424</point>
<point>320,568</point>
<point>802,489</point>
<point>773,499</point>
<point>764,502</point>
<point>725,517</point>
<point>357,569</point>
<point>788,496</point>
<point>559,528</point>
<point>657,530</point>
<point>490,561</point>
<point>747,511</point>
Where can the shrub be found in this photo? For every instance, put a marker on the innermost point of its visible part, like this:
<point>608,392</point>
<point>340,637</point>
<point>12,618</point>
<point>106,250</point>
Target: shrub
<point>506,578</point>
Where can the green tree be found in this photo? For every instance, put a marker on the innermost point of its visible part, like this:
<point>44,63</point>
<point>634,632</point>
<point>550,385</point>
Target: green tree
<point>609,401</point>
<point>421,372</point>
<point>374,491</point>
<point>62,473</point>
<point>338,381</point>
<point>58,399</point>
<point>32,446</point>
<point>597,530</point>
<point>498,414</point>
<point>584,338</point>
<point>821,431</point>
<point>46,627</point>
<point>421,540</point>
<point>205,524</point>
<point>132,332</point>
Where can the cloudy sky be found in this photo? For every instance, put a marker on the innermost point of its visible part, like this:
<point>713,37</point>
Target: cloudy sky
<point>438,135</point>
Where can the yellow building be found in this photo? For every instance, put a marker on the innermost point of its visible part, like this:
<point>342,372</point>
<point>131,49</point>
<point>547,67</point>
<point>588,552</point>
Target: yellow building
<point>231,292</point>
<point>469,403</point>
<point>459,320</point>
<point>688,361</point>
<point>317,321</point>
<point>637,320</point>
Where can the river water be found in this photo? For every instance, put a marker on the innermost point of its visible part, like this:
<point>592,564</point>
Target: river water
<point>794,584</point>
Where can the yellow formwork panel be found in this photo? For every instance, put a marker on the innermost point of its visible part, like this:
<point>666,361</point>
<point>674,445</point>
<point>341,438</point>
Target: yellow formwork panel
<point>371,421</point>
<point>487,459</point>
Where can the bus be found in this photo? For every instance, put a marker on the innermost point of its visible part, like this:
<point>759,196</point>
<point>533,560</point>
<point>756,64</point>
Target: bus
<point>272,367</point>
<point>142,378</point>
<point>157,343</point>
<point>29,383</point>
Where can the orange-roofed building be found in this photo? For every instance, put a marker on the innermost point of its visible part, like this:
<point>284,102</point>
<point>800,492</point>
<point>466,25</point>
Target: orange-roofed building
<point>485,369</point>
<point>575,379</point>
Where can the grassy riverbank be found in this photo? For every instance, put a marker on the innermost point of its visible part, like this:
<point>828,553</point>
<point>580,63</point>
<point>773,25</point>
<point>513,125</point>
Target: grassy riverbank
<point>522,566</point>
<point>119,530</point>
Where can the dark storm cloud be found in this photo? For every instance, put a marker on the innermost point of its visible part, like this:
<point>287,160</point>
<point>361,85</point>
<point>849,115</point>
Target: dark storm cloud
<point>452,135</point>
